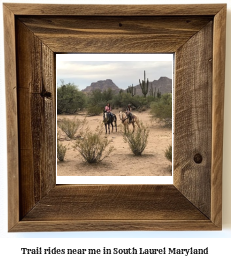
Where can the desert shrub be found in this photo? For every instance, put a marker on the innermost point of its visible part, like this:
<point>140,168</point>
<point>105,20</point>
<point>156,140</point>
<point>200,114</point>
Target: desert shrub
<point>151,99</point>
<point>137,140</point>
<point>70,127</point>
<point>61,151</point>
<point>69,99</point>
<point>116,100</point>
<point>108,94</point>
<point>96,101</point>
<point>168,153</point>
<point>162,109</point>
<point>122,100</point>
<point>139,102</point>
<point>92,146</point>
<point>93,110</point>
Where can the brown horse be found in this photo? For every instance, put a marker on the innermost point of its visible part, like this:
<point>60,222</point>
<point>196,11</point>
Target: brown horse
<point>126,121</point>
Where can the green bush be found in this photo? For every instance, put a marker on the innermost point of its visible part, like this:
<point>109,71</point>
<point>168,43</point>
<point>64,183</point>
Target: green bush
<point>97,100</point>
<point>92,146</point>
<point>137,140</point>
<point>107,95</point>
<point>70,127</point>
<point>61,151</point>
<point>95,110</point>
<point>168,153</point>
<point>162,109</point>
<point>69,99</point>
<point>122,100</point>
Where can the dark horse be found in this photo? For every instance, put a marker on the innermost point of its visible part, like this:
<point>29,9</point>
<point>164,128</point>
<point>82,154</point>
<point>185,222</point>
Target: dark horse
<point>108,119</point>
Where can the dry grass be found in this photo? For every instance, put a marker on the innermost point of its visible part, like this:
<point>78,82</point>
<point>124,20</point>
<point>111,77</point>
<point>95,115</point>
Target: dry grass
<point>168,153</point>
<point>61,151</point>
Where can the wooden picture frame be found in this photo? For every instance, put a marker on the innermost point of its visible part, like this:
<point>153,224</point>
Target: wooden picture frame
<point>33,34</point>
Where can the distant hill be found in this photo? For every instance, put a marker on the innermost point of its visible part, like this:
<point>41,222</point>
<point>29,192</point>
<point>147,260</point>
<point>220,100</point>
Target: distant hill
<point>102,85</point>
<point>164,85</point>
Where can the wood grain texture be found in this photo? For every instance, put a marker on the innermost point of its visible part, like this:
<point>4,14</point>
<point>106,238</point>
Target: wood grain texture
<point>12,122</point>
<point>218,114</point>
<point>114,225</point>
<point>193,125</point>
<point>118,202</point>
<point>115,10</point>
<point>36,93</point>
<point>114,207</point>
<point>114,34</point>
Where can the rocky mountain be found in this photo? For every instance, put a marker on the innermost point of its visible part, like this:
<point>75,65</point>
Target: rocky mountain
<point>163,85</point>
<point>102,85</point>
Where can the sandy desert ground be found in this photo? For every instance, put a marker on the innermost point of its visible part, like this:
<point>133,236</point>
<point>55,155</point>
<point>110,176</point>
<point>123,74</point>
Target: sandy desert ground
<point>121,162</point>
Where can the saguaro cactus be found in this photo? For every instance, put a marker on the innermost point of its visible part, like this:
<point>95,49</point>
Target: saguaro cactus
<point>131,90</point>
<point>155,94</point>
<point>158,94</point>
<point>152,92</point>
<point>144,85</point>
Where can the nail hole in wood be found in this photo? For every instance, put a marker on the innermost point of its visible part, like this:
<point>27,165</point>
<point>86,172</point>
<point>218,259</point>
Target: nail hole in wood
<point>120,24</point>
<point>46,94</point>
<point>198,158</point>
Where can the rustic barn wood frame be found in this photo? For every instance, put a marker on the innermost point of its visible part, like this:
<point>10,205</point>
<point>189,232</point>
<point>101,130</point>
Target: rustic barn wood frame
<point>33,34</point>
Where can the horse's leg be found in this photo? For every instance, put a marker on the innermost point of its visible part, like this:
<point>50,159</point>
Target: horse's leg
<point>127,127</point>
<point>105,127</point>
<point>133,124</point>
<point>109,128</point>
<point>137,122</point>
<point>116,124</point>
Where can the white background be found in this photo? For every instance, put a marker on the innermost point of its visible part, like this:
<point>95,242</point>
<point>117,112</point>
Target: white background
<point>218,242</point>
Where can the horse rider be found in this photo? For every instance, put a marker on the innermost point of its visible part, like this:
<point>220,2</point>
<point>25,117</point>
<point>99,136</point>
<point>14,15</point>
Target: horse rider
<point>108,109</point>
<point>128,112</point>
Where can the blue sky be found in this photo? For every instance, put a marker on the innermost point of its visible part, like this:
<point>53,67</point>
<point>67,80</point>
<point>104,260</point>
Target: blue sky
<point>123,70</point>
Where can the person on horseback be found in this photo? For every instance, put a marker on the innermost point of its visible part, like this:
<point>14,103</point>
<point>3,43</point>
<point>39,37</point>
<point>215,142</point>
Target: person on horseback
<point>108,109</point>
<point>109,118</point>
<point>128,112</point>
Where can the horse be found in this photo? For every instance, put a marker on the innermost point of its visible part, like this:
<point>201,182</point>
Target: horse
<point>109,119</point>
<point>126,121</point>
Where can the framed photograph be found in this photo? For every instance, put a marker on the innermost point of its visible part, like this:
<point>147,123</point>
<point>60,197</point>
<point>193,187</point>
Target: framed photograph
<point>34,36</point>
<point>134,137</point>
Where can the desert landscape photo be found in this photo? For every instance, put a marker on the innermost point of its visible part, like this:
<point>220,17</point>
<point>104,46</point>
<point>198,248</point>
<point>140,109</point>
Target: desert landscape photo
<point>139,144</point>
